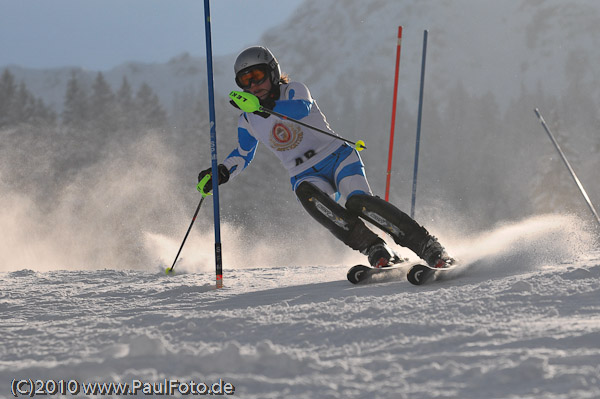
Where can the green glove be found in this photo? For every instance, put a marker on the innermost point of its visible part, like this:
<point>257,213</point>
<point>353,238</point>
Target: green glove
<point>205,179</point>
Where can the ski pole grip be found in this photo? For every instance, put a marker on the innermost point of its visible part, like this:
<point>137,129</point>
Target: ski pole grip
<point>247,102</point>
<point>360,145</point>
<point>202,183</point>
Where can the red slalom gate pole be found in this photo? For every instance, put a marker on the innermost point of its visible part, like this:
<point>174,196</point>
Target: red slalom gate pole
<point>391,148</point>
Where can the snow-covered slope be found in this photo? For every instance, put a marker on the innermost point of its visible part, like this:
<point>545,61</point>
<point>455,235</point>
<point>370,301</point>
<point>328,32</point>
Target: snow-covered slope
<point>521,321</point>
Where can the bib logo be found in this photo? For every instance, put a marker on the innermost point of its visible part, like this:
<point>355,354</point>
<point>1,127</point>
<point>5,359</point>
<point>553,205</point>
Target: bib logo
<point>285,137</point>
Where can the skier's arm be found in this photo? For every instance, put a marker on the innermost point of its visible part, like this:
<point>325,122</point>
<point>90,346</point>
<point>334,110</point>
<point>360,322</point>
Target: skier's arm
<point>235,162</point>
<point>296,109</point>
<point>298,102</point>
<point>241,157</point>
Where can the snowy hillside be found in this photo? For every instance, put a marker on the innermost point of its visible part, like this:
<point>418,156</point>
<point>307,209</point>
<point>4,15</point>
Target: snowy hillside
<point>491,46</point>
<point>498,47</point>
<point>521,320</point>
<point>490,63</point>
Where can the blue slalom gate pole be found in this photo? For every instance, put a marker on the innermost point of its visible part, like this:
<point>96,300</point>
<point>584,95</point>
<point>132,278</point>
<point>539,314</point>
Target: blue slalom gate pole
<point>213,146</point>
<point>420,115</point>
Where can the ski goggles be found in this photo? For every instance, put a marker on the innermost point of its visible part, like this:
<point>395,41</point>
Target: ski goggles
<point>255,75</point>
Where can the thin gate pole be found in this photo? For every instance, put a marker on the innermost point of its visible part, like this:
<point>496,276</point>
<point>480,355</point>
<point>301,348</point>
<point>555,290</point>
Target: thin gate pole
<point>391,148</point>
<point>418,140</point>
<point>568,165</point>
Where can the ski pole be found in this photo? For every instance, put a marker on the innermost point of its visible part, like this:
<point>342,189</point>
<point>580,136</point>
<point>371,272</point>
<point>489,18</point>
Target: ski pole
<point>248,102</point>
<point>204,195</point>
<point>568,165</point>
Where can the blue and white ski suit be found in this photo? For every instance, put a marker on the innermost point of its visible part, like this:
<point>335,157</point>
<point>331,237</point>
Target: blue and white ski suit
<point>328,163</point>
<point>330,169</point>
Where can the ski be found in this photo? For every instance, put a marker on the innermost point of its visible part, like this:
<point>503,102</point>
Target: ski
<point>422,274</point>
<point>418,273</point>
<point>360,273</point>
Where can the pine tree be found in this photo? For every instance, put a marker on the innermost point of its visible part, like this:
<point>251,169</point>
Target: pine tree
<point>42,114</point>
<point>19,105</point>
<point>23,106</point>
<point>126,107</point>
<point>188,113</point>
<point>149,110</point>
<point>75,112</point>
<point>102,110</point>
<point>8,90</point>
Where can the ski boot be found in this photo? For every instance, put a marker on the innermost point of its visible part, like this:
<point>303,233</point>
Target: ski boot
<point>381,258</point>
<point>380,255</point>
<point>435,255</point>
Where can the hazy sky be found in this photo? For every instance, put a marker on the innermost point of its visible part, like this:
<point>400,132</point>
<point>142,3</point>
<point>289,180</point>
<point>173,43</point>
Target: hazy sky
<point>100,34</point>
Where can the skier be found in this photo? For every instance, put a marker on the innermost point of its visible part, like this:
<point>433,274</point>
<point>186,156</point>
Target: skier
<point>320,166</point>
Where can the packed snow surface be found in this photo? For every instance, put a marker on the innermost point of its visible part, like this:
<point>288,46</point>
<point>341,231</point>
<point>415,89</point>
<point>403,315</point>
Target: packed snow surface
<point>519,319</point>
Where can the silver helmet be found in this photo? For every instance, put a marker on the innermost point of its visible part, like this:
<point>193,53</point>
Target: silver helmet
<point>257,56</point>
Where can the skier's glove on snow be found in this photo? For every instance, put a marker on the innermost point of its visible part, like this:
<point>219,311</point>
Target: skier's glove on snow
<point>223,177</point>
